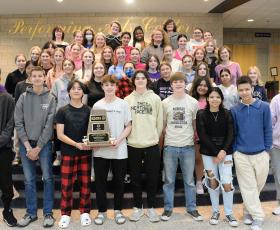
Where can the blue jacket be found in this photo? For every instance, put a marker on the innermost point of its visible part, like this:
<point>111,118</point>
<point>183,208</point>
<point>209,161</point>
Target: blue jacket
<point>253,127</point>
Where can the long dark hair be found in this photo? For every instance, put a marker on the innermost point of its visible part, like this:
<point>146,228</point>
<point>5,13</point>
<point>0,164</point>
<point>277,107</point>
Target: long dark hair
<point>196,82</point>
<point>219,91</point>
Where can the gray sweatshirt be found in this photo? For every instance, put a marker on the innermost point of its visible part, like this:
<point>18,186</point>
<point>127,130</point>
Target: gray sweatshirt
<point>34,116</point>
<point>59,91</point>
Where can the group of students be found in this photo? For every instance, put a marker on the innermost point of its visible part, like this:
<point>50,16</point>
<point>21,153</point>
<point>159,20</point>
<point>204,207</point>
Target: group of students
<point>193,111</point>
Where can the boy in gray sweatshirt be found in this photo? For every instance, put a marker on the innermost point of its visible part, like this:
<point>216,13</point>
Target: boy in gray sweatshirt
<point>33,116</point>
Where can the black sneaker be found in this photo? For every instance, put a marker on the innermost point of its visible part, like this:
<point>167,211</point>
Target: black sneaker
<point>48,221</point>
<point>165,216</point>
<point>26,220</point>
<point>214,218</point>
<point>231,220</point>
<point>195,215</point>
<point>9,218</point>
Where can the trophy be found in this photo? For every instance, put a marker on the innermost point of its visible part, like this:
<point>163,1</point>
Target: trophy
<point>98,133</point>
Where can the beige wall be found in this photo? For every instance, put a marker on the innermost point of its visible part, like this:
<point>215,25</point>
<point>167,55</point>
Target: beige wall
<point>20,32</point>
<point>264,57</point>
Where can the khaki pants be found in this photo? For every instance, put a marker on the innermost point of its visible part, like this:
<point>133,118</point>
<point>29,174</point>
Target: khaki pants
<point>252,172</point>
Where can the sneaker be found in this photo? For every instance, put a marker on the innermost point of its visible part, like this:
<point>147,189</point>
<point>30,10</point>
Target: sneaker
<point>195,215</point>
<point>276,211</point>
<point>119,217</point>
<point>57,161</point>
<point>152,215</point>
<point>26,220</point>
<point>9,218</point>
<point>137,213</point>
<point>231,220</point>
<point>199,187</point>
<point>85,219</point>
<point>247,219</point>
<point>127,179</point>
<point>100,219</point>
<point>48,221</point>
<point>257,225</point>
<point>214,220</point>
<point>166,215</point>
<point>64,221</point>
<point>16,161</point>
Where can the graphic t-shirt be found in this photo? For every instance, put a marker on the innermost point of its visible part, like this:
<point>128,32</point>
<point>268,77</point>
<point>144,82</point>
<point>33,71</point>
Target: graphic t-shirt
<point>179,115</point>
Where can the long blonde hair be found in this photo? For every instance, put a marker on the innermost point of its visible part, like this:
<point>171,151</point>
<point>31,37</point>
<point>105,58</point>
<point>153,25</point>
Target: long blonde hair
<point>257,70</point>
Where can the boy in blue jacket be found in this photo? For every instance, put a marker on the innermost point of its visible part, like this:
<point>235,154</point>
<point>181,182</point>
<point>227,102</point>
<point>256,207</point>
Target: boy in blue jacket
<point>253,141</point>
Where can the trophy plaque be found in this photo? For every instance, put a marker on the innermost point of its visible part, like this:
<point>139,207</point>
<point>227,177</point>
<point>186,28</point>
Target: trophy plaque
<point>98,133</point>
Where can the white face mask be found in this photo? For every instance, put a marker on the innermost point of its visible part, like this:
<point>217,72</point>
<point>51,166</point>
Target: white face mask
<point>89,37</point>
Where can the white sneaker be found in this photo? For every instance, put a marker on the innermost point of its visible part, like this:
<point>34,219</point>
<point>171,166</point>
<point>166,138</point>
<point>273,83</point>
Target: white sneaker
<point>57,161</point>
<point>257,225</point>
<point>64,221</point>
<point>119,217</point>
<point>137,213</point>
<point>276,211</point>
<point>247,219</point>
<point>100,219</point>
<point>85,219</point>
<point>152,215</point>
<point>199,187</point>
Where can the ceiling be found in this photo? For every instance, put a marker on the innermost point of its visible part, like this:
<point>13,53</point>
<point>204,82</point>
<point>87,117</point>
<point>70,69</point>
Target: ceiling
<point>266,13</point>
<point>88,6</point>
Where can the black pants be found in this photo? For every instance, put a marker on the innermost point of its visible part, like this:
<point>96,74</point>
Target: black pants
<point>6,185</point>
<point>101,169</point>
<point>151,158</point>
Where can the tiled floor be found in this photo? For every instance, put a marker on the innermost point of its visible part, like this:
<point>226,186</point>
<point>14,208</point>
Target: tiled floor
<point>178,221</point>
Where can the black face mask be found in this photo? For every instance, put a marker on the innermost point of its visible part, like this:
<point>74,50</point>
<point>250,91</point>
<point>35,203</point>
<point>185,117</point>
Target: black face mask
<point>157,46</point>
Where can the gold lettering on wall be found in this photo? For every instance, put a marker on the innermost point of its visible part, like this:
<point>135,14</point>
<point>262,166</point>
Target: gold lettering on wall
<point>41,28</point>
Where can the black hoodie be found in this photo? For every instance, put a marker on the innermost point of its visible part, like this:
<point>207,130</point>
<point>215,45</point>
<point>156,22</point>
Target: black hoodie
<point>7,105</point>
<point>162,88</point>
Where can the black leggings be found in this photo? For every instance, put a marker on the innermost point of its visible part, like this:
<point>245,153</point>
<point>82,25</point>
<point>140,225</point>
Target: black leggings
<point>101,169</point>
<point>6,184</point>
<point>151,158</point>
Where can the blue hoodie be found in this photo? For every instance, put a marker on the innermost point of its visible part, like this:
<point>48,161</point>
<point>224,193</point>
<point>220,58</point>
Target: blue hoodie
<point>253,127</point>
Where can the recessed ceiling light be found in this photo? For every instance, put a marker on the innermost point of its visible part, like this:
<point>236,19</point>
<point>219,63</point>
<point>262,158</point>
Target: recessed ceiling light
<point>205,0</point>
<point>250,20</point>
<point>59,0</point>
<point>129,1</point>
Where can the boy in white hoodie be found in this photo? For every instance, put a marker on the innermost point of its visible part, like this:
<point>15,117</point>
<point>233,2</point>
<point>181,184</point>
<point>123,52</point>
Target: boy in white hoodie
<point>147,123</point>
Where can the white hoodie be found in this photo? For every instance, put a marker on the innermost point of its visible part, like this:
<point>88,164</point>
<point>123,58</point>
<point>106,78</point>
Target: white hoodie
<point>147,119</point>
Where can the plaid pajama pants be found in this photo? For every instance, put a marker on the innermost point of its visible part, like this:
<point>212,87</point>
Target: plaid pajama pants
<point>72,166</point>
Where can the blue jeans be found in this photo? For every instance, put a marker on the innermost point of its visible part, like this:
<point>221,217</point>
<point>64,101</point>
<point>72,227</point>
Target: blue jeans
<point>222,173</point>
<point>29,170</point>
<point>186,157</point>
